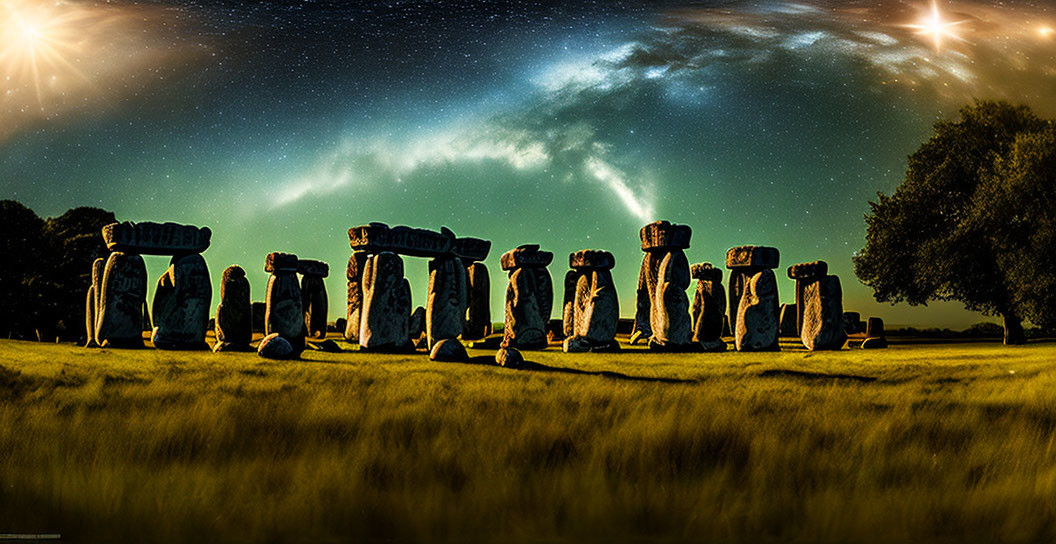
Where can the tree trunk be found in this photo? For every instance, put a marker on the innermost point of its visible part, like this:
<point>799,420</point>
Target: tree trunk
<point>1014,330</point>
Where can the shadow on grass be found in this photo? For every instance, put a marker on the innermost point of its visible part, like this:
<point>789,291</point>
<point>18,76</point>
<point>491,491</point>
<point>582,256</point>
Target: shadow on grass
<point>798,374</point>
<point>539,367</point>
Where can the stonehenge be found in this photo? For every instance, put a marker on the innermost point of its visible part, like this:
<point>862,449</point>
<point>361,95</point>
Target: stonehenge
<point>529,297</point>
<point>284,314</point>
<point>662,307</point>
<point>234,315</point>
<point>119,312</point>
<point>595,308</point>
<point>457,300</point>
<point>753,300</point>
<point>181,304</point>
<point>819,304</point>
<point>383,321</point>
<point>709,307</point>
<point>313,295</point>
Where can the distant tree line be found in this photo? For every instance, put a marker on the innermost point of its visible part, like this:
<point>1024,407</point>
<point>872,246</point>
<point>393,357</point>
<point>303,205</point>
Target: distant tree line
<point>45,270</point>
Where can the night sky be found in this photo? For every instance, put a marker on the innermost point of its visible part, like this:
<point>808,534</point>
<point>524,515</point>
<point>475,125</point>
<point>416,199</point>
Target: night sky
<point>281,125</point>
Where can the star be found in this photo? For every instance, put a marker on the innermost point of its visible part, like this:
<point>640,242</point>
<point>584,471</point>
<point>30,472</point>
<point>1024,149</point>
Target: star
<point>935,26</point>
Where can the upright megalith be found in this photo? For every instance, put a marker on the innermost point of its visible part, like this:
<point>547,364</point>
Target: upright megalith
<point>91,310</point>
<point>354,273</point>
<point>284,314</point>
<point>386,305</point>
<point>753,301</point>
<point>181,304</point>
<point>875,337</point>
<point>852,323</point>
<point>595,305</point>
<point>529,297</point>
<point>313,295</point>
<point>234,314</point>
<point>709,307</point>
<point>447,299</point>
<point>789,315</point>
<point>819,303</point>
<point>756,313</point>
<point>120,308</point>
<point>662,307</point>
<point>478,302</point>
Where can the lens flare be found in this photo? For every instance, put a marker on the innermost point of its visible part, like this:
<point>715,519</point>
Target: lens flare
<point>936,27</point>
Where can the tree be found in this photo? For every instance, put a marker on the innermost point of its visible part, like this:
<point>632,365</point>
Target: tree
<point>953,230</point>
<point>20,280</point>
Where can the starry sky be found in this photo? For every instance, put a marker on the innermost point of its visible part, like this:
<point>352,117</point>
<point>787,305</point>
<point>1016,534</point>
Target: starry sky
<point>280,125</point>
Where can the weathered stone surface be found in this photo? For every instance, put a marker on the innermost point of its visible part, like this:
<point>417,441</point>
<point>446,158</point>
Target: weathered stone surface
<point>524,325</point>
<point>148,238</point>
<point>526,256</point>
<point>647,280</point>
<point>234,314</point>
<point>258,310</point>
<point>447,300</point>
<point>379,237</point>
<point>89,319</point>
<point>756,328</point>
<point>808,271</point>
<point>713,346</point>
<point>591,259</point>
<point>284,313</point>
<point>669,317</point>
<point>568,306</point>
<point>120,308</point>
<point>91,311</point>
<point>706,272</point>
<point>148,323</point>
<point>664,236</point>
<point>448,350</point>
<point>874,343</point>
<point>509,358</point>
<point>340,325</point>
<point>478,310</point>
<point>280,262</point>
<point>274,346</point>
<point>416,324</point>
<point>752,257</point>
<point>356,263</point>
<point>597,309</point>
<point>875,337</point>
<point>709,303</point>
<point>315,304</point>
<point>386,304</point>
<point>789,315</point>
<point>181,305</point>
<point>471,249</point>
<point>544,293</point>
<point>823,314</point>
<point>312,267</point>
<point>328,346</point>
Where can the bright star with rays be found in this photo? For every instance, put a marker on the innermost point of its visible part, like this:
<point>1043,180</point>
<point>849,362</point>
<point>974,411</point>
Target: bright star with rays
<point>38,41</point>
<point>937,27</point>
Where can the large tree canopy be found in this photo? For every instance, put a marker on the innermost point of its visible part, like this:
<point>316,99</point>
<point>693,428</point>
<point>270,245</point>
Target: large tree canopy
<point>972,221</point>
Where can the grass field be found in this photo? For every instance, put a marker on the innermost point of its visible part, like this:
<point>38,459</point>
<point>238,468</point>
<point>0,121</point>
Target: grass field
<point>945,443</point>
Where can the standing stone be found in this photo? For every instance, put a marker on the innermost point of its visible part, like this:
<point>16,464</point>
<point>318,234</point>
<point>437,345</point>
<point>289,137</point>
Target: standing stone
<point>181,304</point>
<point>356,264</point>
<point>120,308</point>
<point>568,308</point>
<point>148,323</point>
<point>416,328</point>
<point>745,263</point>
<point>595,307</point>
<point>234,315</point>
<point>819,303</point>
<point>313,295</point>
<point>709,307</point>
<point>446,302</point>
<point>875,337</point>
<point>851,321</point>
<point>789,315</point>
<point>284,314</point>
<point>670,321</point>
<point>529,296</point>
<point>659,239</point>
<point>386,304</point>
<point>91,312</point>
<point>478,309</point>
<point>756,315</point>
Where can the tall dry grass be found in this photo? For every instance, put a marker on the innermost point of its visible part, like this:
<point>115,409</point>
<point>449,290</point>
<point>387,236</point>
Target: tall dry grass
<point>948,443</point>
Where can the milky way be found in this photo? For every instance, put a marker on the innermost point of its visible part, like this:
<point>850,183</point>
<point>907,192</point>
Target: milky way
<point>568,125</point>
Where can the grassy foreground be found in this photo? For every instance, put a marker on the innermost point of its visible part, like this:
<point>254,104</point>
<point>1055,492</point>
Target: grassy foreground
<point>948,443</point>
